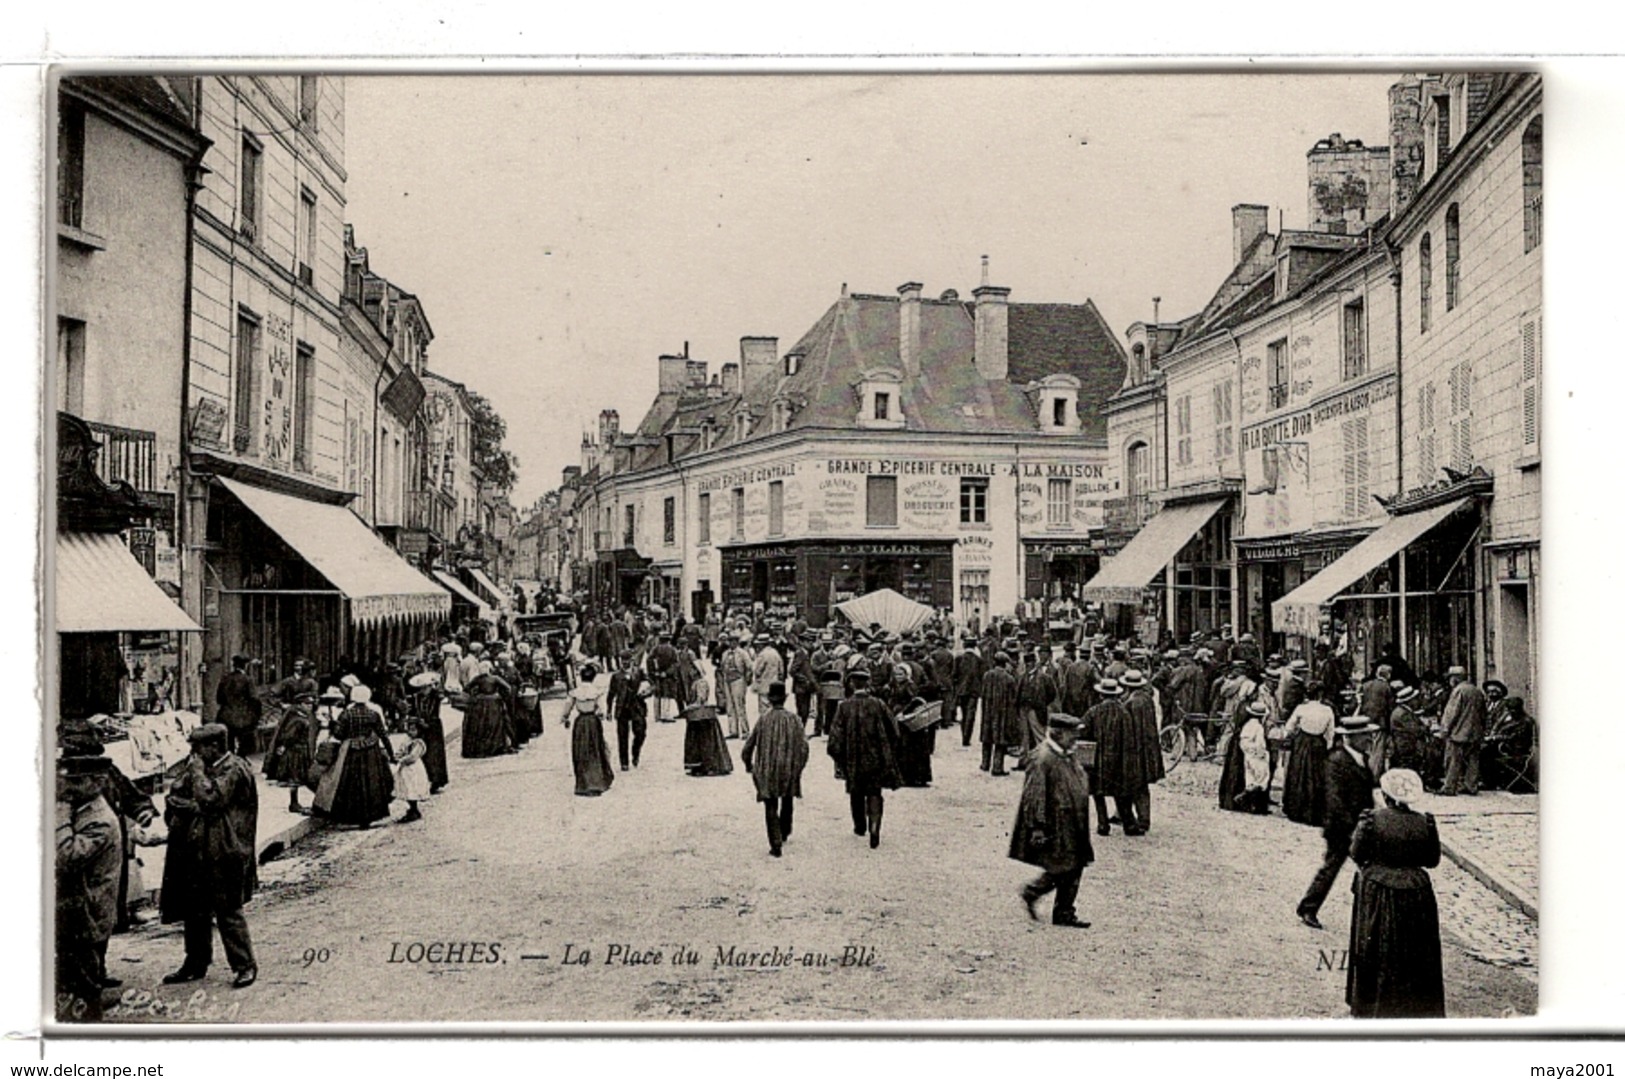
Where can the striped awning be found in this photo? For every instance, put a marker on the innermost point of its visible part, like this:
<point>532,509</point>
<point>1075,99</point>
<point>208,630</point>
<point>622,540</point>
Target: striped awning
<point>1123,577</point>
<point>101,588</point>
<point>379,583</point>
<point>493,593</point>
<point>465,593</point>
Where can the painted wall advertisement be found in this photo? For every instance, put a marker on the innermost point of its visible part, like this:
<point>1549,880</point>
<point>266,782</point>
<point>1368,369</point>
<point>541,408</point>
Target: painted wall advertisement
<point>276,443</point>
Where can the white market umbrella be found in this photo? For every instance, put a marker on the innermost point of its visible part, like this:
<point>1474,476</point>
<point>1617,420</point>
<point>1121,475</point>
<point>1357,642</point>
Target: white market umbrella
<point>895,612</point>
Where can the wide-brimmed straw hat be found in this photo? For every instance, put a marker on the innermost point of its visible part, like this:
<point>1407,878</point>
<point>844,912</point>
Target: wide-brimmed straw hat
<point>1402,785</point>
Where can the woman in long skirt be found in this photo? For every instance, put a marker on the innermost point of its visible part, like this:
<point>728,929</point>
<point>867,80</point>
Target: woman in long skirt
<point>705,752</point>
<point>366,782</point>
<point>1396,966</point>
<point>485,723</point>
<point>1309,735</point>
<point>293,749</point>
<point>426,699</point>
<point>589,752</point>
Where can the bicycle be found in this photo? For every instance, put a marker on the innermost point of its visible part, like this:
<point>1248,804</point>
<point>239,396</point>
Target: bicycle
<point>1186,739</point>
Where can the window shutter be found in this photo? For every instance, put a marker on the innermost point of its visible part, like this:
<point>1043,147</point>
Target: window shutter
<point>1362,467</point>
<point>1531,381</point>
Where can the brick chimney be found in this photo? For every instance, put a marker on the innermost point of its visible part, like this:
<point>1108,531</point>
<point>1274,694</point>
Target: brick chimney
<point>696,376</point>
<point>908,327</point>
<point>758,360</point>
<point>1248,222</point>
<point>992,329</point>
<point>609,426</point>
<point>730,379</point>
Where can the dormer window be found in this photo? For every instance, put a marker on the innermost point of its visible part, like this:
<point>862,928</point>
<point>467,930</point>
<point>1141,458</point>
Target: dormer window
<point>708,433</point>
<point>1058,403</point>
<point>741,426</point>
<point>880,399</point>
<point>781,414</point>
<point>792,364</point>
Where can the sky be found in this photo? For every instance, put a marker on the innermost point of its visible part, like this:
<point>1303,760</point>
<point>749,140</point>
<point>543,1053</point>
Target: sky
<point>563,231</point>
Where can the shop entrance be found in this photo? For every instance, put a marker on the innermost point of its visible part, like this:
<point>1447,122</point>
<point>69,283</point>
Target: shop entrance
<point>1513,668</point>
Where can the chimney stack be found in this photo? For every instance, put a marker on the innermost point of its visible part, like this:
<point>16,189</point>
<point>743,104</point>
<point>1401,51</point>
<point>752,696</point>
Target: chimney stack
<point>609,427</point>
<point>1405,139</point>
<point>758,360</point>
<point>696,374</point>
<point>673,373</point>
<point>1248,222</point>
<point>992,329</point>
<point>730,380</point>
<point>908,327</point>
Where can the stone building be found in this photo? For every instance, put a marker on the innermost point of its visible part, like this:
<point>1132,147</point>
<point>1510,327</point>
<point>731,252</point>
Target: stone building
<point>949,450</point>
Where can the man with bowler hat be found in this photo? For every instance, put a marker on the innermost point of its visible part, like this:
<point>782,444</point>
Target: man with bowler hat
<point>1052,824</point>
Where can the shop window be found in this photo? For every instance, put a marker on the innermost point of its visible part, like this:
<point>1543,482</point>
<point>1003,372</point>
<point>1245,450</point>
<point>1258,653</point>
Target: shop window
<point>1354,359</point>
<point>775,508</point>
<point>739,513</point>
<point>70,365</point>
<point>244,368</point>
<point>1182,425</point>
<point>705,517</point>
<point>1532,198</point>
<point>973,500</point>
<point>1424,287</point>
<point>1356,468</point>
<point>1059,502</point>
<point>304,405</point>
<point>882,502</point>
<point>1452,257</point>
<point>1529,342</point>
<point>668,527</point>
<point>975,587</point>
<point>1278,373</point>
<point>1224,434</point>
<point>251,181</point>
<point>70,165</point>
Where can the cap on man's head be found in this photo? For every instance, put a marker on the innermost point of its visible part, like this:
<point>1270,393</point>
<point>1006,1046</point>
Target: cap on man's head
<point>207,732</point>
<point>1456,671</point>
<point>776,693</point>
<point>1064,722</point>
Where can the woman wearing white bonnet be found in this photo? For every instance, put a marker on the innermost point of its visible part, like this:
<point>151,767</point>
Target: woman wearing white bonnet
<point>1396,968</point>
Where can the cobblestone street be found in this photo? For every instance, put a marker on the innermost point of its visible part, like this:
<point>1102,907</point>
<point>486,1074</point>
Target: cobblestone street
<point>1193,921</point>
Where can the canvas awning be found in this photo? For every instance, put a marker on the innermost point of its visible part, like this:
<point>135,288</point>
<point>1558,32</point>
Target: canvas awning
<point>1299,610</point>
<point>378,582</point>
<point>101,588</point>
<point>465,593</point>
<point>493,593</point>
<point>1123,577</point>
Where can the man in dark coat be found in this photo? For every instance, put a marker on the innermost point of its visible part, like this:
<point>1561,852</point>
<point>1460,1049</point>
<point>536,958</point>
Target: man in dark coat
<point>1001,719</point>
<point>1118,769</point>
<point>775,754</point>
<point>803,676</point>
<point>212,811</point>
<point>237,707</point>
<point>1052,825</point>
<point>1463,722</point>
<point>628,707</point>
<point>969,669</point>
<point>864,742</point>
<point>1377,705</point>
<point>89,853</point>
<point>1144,746</point>
<point>940,664</point>
<point>1348,794</point>
<point>1077,684</point>
<point>1035,695</point>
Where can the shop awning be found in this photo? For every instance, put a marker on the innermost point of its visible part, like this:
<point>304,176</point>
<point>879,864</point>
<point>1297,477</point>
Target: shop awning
<point>378,582</point>
<point>493,593</point>
<point>1123,577</point>
<point>101,588</point>
<point>465,593</point>
<point>1299,610</point>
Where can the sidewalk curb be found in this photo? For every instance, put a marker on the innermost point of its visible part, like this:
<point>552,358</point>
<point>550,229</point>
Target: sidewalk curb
<point>1492,880</point>
<point>292,834</point>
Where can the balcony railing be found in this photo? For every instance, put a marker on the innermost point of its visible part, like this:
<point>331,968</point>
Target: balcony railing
<point>128,455</point>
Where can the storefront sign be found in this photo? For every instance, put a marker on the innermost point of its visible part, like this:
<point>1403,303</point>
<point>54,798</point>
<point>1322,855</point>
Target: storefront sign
<point>743,477</point>
<point>277,438</point>
<point>839,497</point>
<point>928,505</point>
<point>975,551</point>
<point>894,467</point>
<point>1295,426</point>
<point>1030,503</point>
<point>1348,404</point>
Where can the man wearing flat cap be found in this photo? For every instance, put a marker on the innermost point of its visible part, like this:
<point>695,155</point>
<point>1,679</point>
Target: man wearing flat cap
<point>212,811</point>
<point>1463,722</point>
<point>1052,824</point>
<point>237,706</point>
<point>89,854</point>
<point>1349,786</point>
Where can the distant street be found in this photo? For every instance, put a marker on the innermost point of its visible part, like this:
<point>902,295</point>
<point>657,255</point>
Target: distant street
<point>1194,920</point>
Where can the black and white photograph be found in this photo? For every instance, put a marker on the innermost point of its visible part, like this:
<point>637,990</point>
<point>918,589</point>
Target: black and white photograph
<point>763,547</point>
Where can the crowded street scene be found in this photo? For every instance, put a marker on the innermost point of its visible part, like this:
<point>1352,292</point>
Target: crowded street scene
<point>1150,636</point>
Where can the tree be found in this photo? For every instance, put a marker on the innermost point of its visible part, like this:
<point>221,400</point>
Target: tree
<point>499,466</point>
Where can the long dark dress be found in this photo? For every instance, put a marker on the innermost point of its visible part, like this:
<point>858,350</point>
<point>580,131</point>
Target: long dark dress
<point>426,706</point>
<point>485,723</point>
<point>1233,779</point>
<point>1303,791</point>
<point>589,752</point>
<point>705,752</point>
<point>366,782</point>
<point>1396,966</point>
<point>292,748</point>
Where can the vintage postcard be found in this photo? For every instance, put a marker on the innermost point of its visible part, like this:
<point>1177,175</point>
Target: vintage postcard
<point>792,549</point>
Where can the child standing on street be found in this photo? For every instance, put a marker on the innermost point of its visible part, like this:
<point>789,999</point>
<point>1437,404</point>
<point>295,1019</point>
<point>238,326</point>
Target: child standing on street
<point>411,778</point>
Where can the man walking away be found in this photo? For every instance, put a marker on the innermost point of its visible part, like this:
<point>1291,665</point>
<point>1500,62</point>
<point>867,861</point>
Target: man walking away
<point>1052,824</point>
<point>969,668</point>
<point>775,754</point>
<point>237,707</point>
<point>1348,794</point>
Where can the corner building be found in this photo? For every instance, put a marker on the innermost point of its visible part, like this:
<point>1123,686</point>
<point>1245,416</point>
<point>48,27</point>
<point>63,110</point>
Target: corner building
<point>950,451</point>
